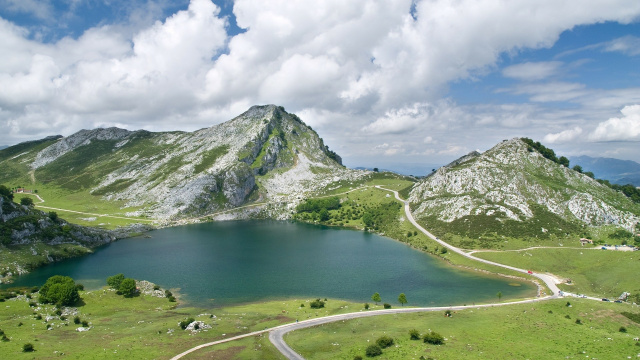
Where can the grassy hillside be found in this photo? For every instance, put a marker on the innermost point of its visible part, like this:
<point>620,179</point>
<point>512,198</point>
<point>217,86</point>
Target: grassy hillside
<point>534,331</point>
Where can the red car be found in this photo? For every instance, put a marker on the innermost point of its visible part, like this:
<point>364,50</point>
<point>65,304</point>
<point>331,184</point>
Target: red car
<point>529,271</point>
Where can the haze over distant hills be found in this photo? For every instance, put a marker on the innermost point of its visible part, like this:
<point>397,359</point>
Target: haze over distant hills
<point>616,171</point>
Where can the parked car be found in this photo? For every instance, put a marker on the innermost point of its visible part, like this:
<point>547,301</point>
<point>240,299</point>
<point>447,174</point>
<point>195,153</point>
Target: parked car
<point>605,299</point>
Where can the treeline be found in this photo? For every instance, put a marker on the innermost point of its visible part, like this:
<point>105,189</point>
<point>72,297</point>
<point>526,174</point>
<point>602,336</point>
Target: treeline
<point>316,205</point>
<point>628,190</point>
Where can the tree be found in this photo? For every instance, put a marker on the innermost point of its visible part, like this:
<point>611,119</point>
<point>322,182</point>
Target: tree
<point>59,290</point>
<point>589,174</point>
<point>317,304</point>
<point>402,299</point>
<point>26,201</point>
<point>376,298</point>
<point>375,170</point>
<point>127,287</point>
<point>563,161</point>
<point>499,295</point>
<point>324,215</point>
<point>578,168</point>
<point>6,192</point>
<point>53,215</point>
<point>115,280</point>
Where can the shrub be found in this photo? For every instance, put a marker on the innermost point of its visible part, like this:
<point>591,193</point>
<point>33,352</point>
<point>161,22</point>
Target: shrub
<point>38,317</point>
<point>366,306</point>
<point>85,323</point>
<point>115,280</point>
<point>28,347</point>
<point>58,312</point>
<point>384,341</point>
<point>433,338</point>
<point>172,299</point>
<point>80,287</point>
<point>302,305</point>
<point>447,313</point>
<point>373,350</point>
<point>184,323</point>
<point>357,357</point>
<point>622,329</point>
<point>578,321</point>
<point>26,201</point>
<point>387,306</point>
<point>76,320</point>
<point>414,334</point>
<point>59,290</point>
<point>127,287</point>
<point>317,304</point>
<point>32,304</point>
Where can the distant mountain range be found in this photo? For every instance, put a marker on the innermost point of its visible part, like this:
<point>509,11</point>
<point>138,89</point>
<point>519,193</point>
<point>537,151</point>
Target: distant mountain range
<point>616,171</point>
<point>3,146</point>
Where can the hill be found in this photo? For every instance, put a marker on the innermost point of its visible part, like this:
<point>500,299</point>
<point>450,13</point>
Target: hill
<point>30,238</point>
<point>512,193</point>
<point>263,155</point>
<point>617,171</point>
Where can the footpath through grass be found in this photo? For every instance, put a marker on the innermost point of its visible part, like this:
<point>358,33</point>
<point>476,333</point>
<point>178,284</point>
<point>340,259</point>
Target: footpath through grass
<point>546,330</point>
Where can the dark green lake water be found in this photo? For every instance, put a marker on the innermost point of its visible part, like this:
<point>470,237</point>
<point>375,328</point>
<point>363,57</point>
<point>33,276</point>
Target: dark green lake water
<point>231,262</point>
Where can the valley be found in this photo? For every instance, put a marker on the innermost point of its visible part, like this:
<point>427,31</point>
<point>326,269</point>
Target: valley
<point>510,205</point>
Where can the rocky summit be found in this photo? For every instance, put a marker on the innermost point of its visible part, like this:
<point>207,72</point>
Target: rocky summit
<point>264,155</point>
<point>512,183</point>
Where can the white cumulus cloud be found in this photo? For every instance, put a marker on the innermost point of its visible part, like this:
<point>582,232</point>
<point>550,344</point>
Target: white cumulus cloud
<point>624,128</point>
<point>563,136</point>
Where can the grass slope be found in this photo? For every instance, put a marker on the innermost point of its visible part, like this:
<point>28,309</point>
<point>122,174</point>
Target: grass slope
<point>545,330</point>
<point>146,327</point>
<point>601,273</point>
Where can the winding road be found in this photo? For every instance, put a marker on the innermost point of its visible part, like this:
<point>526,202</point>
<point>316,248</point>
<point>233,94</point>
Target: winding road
<point>276,334</point>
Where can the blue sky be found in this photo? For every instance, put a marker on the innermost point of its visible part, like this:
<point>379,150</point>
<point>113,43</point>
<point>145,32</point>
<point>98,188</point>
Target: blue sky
<point>405,85</point>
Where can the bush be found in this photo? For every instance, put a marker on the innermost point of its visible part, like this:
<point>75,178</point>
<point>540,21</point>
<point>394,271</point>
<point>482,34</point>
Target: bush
<point>357,357</point>
<point>85,323</point>
<point>76,320</point>
<point>622,329</point>
<point>59,290</point>
<point>578,321</point>
<point>38,317</point>
<point>28,347</point>
<point>184,323</point>
<point>373,350</point>
<point>433,338</point>
<point>387,306</point>
<point>115,280</point>
<point>26,201</point>
<point>80,287</point>
<point>414,334</point>
<point>317,304</point>
<point>127,287</point>
<point>366,306</point>
<point>384,341</point>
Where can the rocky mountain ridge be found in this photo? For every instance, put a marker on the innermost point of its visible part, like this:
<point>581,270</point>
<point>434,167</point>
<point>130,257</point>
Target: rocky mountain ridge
<point>264,154</point>
<point>512,182</point>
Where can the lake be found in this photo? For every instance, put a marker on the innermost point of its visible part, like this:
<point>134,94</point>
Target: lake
<point>223,263</point>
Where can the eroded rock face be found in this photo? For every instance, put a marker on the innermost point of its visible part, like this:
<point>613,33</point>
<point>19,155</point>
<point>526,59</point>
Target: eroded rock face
<point>506,180</point>
<point>265,153</point>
